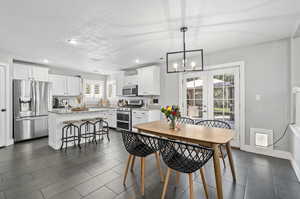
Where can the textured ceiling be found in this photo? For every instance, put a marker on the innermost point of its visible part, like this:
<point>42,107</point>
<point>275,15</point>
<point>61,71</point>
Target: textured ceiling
<point>111,34</point>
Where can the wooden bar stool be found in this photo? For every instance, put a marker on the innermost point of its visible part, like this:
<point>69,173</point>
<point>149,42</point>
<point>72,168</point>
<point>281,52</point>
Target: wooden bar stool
<point>101,128</point>
<point>70,133</point>
<point>87,130</point>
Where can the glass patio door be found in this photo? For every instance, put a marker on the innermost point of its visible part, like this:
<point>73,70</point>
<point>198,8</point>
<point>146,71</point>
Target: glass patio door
<point>195,96</point>
<point>213,95</point>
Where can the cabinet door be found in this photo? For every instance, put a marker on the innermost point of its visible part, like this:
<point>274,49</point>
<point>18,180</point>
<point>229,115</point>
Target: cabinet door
<point>59,85</point>
<point>73,86</point>
<point>21,71</point>
<point>40,74</point>
<point>131,80</point>
<point>119,77</point>
<point>145,81</point>
<point>149,80</point>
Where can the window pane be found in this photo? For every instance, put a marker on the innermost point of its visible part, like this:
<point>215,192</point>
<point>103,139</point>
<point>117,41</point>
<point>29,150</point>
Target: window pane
<point>218,115</point>
<point>198,88</point>
<point>218,106</point>
<point>218,81</point>
<point>229,92</point>
<point>229,80</point>
<point>218,93</point>
<point>190,85</point>
<point>191,102</point>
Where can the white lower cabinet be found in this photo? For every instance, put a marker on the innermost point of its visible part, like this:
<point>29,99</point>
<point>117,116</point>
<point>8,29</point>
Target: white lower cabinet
<point>111,117</point>
<point>143,116</point>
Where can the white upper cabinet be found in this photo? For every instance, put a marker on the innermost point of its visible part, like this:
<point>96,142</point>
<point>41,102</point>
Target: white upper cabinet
<point>130,80</point>
<point>29,72</point>
<point>149,80</point>
<point>116,81</point>
<point>65,85</point>
<point>73,86</point>
<point>59,85</point>
<point>40,74</point>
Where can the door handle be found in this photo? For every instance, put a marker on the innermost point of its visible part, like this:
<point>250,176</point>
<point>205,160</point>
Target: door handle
<point>3,110</point>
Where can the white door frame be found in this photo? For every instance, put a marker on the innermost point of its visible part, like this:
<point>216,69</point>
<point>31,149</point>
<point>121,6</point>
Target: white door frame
<point>7,131</point>
<point>241,66</point>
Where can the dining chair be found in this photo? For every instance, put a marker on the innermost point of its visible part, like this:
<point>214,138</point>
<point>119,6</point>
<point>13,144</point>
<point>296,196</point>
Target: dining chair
<point>185,120</point>
<point>141,145</point>
<point>216,124</point>
<point>182,120</point>
<point>184,158</point>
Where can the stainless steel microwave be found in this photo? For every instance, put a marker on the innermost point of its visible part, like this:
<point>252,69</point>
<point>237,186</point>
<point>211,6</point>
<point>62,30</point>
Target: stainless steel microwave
<point>131,90</point>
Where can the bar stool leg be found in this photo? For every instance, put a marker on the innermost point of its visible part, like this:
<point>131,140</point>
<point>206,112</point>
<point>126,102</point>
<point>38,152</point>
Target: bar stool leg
<point>107,134</point>
<point>79,137</point>
<point>62,138</point>
<point>95,134</point>
<point>74,135</point>
<point>66,141</point>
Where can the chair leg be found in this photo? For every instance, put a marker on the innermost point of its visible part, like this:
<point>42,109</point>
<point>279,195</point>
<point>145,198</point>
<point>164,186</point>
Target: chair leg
<point>223,158</point>
<point>177,178</point>
<point>132,164</point>
<point>166,183</point>
<point>143,176</point>
<point>191,188</point>
<point>204,182</point>
<point>126,169</point>
<point>159,167</point>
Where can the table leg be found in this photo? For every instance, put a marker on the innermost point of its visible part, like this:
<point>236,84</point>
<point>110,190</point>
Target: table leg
<point>217,168</point>
<point>228,148</point>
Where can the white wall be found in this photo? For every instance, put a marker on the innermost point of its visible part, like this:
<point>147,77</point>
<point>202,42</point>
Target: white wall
<point>7,59</point>
<point>295,69</point>
<point>267,73</point>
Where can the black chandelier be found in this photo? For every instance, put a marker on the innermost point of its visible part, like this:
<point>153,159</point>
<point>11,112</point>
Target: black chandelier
<point>186,60</point>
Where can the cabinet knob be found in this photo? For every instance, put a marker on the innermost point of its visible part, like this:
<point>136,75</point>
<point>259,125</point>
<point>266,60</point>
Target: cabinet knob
<point>3,110</point>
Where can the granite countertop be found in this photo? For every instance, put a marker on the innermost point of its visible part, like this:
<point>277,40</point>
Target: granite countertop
<point>95,109</point>
<point>90,110</point>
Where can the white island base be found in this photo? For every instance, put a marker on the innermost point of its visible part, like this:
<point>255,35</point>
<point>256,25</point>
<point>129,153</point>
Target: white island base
<point>56,124</point>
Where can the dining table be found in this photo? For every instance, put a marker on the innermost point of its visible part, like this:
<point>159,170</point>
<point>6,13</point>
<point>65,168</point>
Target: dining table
<point>209,137</point>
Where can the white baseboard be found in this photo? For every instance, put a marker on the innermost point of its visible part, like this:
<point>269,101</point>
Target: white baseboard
<point>9,142</point>
<point>268,152</point>
<point>276,154</point>
<point>296,168</point>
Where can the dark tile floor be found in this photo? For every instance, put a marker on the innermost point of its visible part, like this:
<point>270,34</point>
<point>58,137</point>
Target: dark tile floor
<point>32,170</point>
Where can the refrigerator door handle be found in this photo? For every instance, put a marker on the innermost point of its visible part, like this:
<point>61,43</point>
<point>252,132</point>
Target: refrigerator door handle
<point>33,97</point>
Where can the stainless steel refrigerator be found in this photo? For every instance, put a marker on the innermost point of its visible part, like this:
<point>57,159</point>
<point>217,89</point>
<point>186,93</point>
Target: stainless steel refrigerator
<point>30,105</point>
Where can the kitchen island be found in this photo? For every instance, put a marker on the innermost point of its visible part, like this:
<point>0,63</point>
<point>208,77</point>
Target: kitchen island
<point>57,117</point>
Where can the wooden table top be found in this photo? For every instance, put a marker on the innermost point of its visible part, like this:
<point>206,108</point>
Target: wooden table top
<point>187,132</point>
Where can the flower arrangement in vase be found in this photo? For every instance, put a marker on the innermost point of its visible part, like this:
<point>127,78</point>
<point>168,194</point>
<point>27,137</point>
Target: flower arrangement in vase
<point>171,113</point>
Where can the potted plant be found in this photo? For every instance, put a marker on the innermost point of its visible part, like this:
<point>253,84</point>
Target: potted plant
<point>171,113</point>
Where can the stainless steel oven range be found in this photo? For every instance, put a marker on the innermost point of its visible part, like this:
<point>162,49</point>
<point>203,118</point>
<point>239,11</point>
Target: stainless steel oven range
<point>124,119</point>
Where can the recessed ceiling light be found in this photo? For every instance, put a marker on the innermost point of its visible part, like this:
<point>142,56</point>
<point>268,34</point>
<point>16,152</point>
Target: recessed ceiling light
<point>72,41</point>
<point>46,61</point>
<point>137,61</point>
